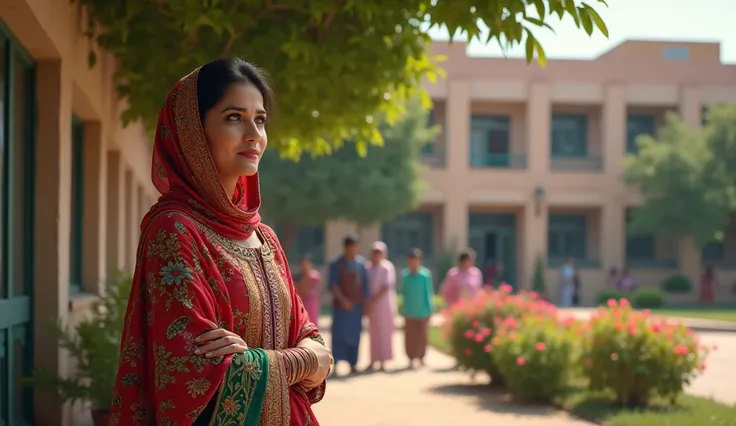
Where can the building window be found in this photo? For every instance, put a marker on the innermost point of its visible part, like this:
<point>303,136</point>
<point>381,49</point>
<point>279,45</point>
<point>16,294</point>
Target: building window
<point>713,252</point>
<point>308,241</point>
<point>569,135</point>
<point>637,125</point>
<point>77,207</point>
<point>566,237</point>
<point>17,220</point>
<point>429,147</point>
<point>409,231</point>
<point>640,248</point>
<point>490,140</point>
<point>677,53</point>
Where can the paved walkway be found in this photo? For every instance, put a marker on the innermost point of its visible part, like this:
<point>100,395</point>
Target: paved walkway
<point>431,396</point>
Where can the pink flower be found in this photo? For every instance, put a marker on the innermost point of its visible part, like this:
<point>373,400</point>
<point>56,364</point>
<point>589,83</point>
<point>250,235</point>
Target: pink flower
<point>715,347</point>
<point>479,337</point>
<point>656,328</point>
<point>646,313</point>
<point>468,352</point>
<point>614,356</point>
<point>702,367</point>
<point>541,346</point>
<point>469,334</point>
<point>681,350</point>
<point>520,361</point>
<point>505,288</point>
<point>488,348</point>
<point>624,303</point>
<point>612,303</point>
<point>476,324</point>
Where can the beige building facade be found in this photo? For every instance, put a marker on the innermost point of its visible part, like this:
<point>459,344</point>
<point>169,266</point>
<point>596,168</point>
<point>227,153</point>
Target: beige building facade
<point>75,185</point>
<point>529,164</point>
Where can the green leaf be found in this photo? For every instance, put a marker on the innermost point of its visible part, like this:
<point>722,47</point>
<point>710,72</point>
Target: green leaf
<point>597,19</point>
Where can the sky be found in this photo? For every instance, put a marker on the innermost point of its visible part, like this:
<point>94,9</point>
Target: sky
<point>685,20</point>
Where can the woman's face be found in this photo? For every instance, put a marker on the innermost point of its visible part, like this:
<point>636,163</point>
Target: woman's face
<point>235,129</point>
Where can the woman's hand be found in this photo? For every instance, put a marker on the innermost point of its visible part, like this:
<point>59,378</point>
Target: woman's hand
<point>220,342</point>
<point>324,361</point>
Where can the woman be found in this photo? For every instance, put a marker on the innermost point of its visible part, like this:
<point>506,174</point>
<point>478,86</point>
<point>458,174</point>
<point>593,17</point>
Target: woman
<point>382,305</point>
<point>708,284</point>
<point>214,332</point>
<point>309,283</point>
<point>417,290</point>
<point>463,281</point>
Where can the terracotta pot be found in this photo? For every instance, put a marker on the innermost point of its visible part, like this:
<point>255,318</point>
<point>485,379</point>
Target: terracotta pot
<point>100,417</point>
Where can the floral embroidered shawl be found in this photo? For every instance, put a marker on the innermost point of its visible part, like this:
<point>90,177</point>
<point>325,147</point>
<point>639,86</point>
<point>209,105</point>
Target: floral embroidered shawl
<point>180,291</point>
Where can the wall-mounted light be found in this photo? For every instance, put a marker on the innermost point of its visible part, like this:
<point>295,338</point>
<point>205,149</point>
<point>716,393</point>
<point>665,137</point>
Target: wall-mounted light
<point>539,194</point>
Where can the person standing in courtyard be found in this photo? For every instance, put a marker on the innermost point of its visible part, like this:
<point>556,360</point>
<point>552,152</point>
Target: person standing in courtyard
<point>567,283</point>
<point>463,281</point>
<point>309,283</point>
<point>349,284</point>
<point>381,306</point>
<point>417,291</point>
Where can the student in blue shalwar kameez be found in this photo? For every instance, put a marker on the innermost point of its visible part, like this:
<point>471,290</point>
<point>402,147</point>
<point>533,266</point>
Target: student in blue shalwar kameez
<point>348,280</point>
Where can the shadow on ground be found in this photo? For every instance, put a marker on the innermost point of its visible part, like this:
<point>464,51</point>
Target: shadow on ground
<point>490,399</point>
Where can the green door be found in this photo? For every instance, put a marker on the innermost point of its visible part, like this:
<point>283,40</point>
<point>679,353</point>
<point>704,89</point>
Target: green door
<point>495,245</point>
<point>16,229</point>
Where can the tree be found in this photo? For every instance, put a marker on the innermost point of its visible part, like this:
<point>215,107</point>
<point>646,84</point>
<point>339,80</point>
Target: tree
<point>377,187</point>
<point>686,177</point>
<point>335,64</point>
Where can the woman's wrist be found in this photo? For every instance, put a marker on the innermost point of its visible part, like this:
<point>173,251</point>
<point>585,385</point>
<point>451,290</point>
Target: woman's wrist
<point>300,363</point>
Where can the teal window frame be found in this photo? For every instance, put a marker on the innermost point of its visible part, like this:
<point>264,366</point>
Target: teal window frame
<point>481,156</point>
<point>16,321</point>
<point>713,252</point>
<point>569,135</point>
<point>567,236</point>
<point>409,231</point>
<point>676,53</point>
<point>638,125</point>
<point>76,237</point>
<point>430,147</point>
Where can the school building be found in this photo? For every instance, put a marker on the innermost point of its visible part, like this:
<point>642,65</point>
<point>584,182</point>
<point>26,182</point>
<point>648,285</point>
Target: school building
<point>74,187</point>
<point>529,164</point>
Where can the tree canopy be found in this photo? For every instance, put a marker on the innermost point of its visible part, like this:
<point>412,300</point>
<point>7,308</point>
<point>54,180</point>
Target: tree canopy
<point>334,64</point>
<point>383,184</point>
<point>687,177</point>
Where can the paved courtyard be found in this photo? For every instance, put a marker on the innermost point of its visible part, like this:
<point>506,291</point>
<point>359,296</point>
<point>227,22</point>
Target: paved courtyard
<point>432,396</point>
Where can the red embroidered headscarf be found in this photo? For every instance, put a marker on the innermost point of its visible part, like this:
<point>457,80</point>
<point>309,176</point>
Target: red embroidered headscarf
<point>185,174</point>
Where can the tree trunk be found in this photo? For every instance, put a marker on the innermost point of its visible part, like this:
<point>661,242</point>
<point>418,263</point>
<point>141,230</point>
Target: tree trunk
<point>289,231</point>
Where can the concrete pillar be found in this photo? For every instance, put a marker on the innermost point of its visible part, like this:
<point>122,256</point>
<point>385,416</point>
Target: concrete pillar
<point>131,222</point>
<point>538,119</point>
<point>52,230</point>
<point>116,242</point>
<point>94,270</point>
<point>613,223</point>
<point>455,226</point>
<point>335,231</point>
<point>368,236</point>
<point>457,124</point>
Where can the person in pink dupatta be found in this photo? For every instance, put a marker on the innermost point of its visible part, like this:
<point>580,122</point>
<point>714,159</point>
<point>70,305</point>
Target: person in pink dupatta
<point>463,281</point>
<point>309,283</point>
<point>382,305</point>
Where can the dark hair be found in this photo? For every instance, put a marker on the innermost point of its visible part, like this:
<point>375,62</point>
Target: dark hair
<point>415,254</point>
<point>466,255</point>
<point>307,258</point>
<point>216,76</point>
<point>349,240</point>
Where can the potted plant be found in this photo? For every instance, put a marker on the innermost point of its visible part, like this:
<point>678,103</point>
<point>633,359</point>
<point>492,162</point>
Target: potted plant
<point>94,345</point>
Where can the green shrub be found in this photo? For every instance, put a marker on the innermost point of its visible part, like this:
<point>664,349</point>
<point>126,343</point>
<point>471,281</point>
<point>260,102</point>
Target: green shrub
<point>535,360</point>
<point>648,298</point>
<point>605,295</point>
<point>637,359</point>
<point>677,284</point>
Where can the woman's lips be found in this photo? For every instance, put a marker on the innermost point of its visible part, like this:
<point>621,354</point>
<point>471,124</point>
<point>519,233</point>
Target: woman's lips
<point>252,154</point>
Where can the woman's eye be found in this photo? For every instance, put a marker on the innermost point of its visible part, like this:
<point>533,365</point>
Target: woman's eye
<point>233,117</point>
<point>261,120</point>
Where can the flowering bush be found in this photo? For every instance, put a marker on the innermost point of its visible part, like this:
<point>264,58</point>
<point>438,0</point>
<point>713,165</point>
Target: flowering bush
<point>637,358</point>
<point>535,360</point>
<point>472,323</point>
